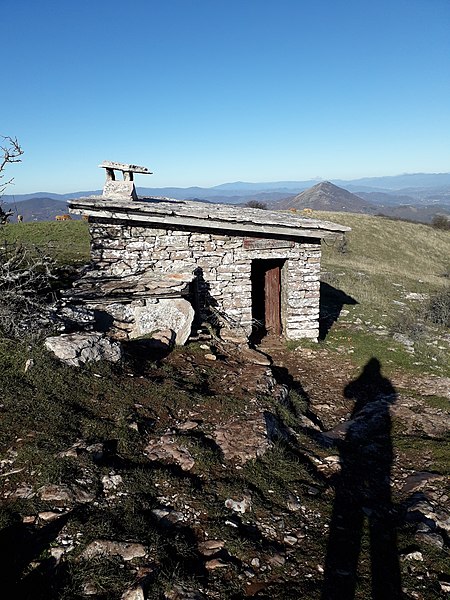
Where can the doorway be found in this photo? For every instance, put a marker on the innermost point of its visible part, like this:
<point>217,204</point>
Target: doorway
<point>266,298</point>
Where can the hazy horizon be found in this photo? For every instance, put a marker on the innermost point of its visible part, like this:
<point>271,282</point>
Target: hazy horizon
<point>11,190</point>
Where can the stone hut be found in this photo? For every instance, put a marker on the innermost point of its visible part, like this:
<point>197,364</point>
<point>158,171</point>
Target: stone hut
<point>162,264</point>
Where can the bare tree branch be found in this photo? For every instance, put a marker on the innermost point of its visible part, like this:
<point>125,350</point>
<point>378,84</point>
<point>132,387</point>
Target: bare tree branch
<point>4,216</point>
<point>10,152</point>
<point>25,291</point>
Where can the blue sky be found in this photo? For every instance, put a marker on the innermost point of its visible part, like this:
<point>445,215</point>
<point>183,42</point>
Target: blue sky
<point>209,91</point>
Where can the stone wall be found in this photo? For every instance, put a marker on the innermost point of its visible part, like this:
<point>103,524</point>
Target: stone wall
<point>223,265</point>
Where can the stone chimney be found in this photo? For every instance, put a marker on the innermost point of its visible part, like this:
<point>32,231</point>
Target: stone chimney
<point>121,190</point>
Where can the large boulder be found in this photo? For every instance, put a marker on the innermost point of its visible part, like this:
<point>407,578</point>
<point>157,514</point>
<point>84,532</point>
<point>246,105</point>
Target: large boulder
<point>176,314</point>
<point>144,318</point>
<point>78,348</point>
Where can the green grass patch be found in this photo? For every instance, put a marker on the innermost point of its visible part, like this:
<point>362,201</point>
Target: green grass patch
<point>278,470</point>
<point>435,452</point>
<point>438,402</point>
<point>67,242</point>
<point>361,347</point>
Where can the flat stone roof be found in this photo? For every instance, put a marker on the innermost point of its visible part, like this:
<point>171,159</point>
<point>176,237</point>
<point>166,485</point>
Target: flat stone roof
<point>204,216</point>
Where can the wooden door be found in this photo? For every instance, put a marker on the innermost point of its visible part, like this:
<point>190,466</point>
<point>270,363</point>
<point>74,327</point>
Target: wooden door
<point>272,300</point>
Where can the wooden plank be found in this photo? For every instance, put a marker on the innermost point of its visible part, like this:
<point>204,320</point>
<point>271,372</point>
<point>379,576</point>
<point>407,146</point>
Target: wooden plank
<point>272,289</point>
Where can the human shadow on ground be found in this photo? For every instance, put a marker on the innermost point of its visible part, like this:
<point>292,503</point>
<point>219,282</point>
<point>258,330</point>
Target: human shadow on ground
<point>20,544</point>
<point>283,377</point>
<point>331,302</point>
<point>362,490</point>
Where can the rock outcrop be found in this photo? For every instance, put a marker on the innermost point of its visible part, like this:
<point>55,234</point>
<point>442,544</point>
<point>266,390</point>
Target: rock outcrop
<point>76,349</point>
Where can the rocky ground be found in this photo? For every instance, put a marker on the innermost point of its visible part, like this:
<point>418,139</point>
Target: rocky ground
<point>213,473</point>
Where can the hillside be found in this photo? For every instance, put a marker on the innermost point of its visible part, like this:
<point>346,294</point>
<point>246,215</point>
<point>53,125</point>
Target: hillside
<point>39,209</point>
<point>420,214</point>
<point>386,199</point>
<point>409,253</point>
<point>181,477</point>
<point>326,196</point>
<point>67,242</point>
<point>407,207</point>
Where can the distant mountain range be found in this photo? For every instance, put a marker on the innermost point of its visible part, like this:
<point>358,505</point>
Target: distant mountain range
<point>330,197</point>
<point>416,196</point>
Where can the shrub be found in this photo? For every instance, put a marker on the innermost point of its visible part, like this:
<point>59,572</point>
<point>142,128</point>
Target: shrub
<point>438,308</point>
<point>256,204</point>
<point>341,244</point>
<point>441,222</point>
<point>410,324</point>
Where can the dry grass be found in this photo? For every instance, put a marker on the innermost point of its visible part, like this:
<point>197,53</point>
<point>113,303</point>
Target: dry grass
<point>408,253</point>
<point>384,262</point>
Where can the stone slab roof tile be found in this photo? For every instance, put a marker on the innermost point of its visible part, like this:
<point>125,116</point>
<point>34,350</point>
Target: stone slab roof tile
<point>94,285</point>
<point>199,215</point>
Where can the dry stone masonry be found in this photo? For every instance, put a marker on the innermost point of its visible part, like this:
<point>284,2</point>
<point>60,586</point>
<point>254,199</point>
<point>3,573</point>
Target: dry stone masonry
<point>121,189</point>
<point>158,262</point>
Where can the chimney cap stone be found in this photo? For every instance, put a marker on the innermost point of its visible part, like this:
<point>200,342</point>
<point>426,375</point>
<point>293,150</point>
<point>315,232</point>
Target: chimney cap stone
<point>124,167</point>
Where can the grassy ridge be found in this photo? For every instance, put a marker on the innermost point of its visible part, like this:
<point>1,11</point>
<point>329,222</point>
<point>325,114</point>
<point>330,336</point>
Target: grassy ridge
<point>66,241</point>
<point>404,252</point>
<point>383,263</point>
